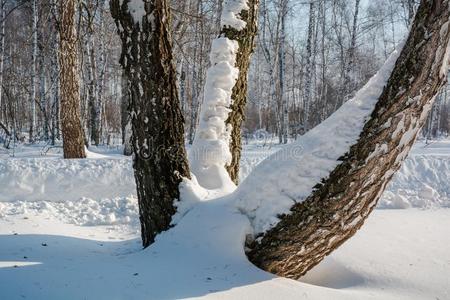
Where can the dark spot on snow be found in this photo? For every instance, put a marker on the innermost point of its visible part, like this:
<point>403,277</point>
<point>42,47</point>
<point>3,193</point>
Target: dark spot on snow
<point>44,244</point>
<point>25,257</point>
<point>25,218</point>
<point>135,274</point>
<point>15,266</point>
<point>15,233</point>
<point>208,278</point>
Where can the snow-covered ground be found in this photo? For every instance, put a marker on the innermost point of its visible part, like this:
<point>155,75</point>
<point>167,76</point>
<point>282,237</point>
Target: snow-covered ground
<point>69,230</point>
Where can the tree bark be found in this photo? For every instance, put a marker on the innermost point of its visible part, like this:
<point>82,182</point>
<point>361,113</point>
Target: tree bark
<point>282,70</point>
<point>2,50</point>
<point>310,67</point>
<point>339,205</point>
<point>246,40</point>
<point>125,121</point>
<point>348,76</point>
<point>72,131</point>
<point>160,159</point>
<point>33,72</point>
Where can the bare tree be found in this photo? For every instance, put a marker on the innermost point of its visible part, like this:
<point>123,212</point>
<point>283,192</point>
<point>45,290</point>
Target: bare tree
<point>310,68</point>
<point>33,70</point>
<point>348,76</point>
<point>72,131</point>
<point>160,160</point>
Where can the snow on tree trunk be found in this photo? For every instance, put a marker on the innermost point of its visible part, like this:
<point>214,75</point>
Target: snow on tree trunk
<point>72,131</point>
<point>157,123</point>
<point>300,228</point>
<point>246,40</point>
<point>216,149</point>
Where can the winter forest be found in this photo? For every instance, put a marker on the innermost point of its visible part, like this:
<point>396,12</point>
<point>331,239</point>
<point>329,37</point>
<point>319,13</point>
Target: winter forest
<point>224,149</point>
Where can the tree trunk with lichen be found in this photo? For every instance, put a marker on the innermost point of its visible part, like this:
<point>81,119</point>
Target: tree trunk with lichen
<point>246,40</point>
<point>72,131</point>
<point>339,206</point>
<point>157,124</point>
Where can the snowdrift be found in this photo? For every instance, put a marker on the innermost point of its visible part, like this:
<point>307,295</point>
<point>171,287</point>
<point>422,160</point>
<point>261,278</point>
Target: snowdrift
<point>94,189</point>
<point>39,179</point>
<point>422,182</point>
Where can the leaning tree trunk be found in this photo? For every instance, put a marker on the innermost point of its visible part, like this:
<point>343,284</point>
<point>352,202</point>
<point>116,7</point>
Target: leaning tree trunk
<point>157,124</point>
<point>339,206</point>
<point>246,40</point>
<point>72,132</point>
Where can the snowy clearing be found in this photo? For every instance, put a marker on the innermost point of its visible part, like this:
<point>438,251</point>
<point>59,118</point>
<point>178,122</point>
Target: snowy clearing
<point>89,247</point>
<point>203,257</point>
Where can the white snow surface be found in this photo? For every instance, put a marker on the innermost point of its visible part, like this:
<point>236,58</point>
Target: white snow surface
<point>288,176</point>
<point>89,248</point>
<point>34,179</point>
<point>230,13</point>
<point>102,191</point>
<point>210,151</point>
<point>202,257</point>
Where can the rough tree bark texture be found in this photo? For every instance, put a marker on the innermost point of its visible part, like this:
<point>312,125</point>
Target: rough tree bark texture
<point>309,74</point>
<point>125,122</point>
<point>72,132</point>
<point>33,72</point>
<point>157,124</point>
<point>339,206</point>
<point>246,40</point>
<point>348,76</point>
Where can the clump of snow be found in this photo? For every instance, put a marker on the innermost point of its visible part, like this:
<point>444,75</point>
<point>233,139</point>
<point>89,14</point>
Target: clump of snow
<point>230,13</point>
<point>210,151</point>
<point>278,183</point>
<point>136,9</point>
<point>190,194</point>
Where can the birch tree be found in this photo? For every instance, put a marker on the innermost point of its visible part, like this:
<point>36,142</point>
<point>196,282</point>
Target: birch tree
<point>310,69</point>
<point>33,70</point>
<point>348,76</point>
